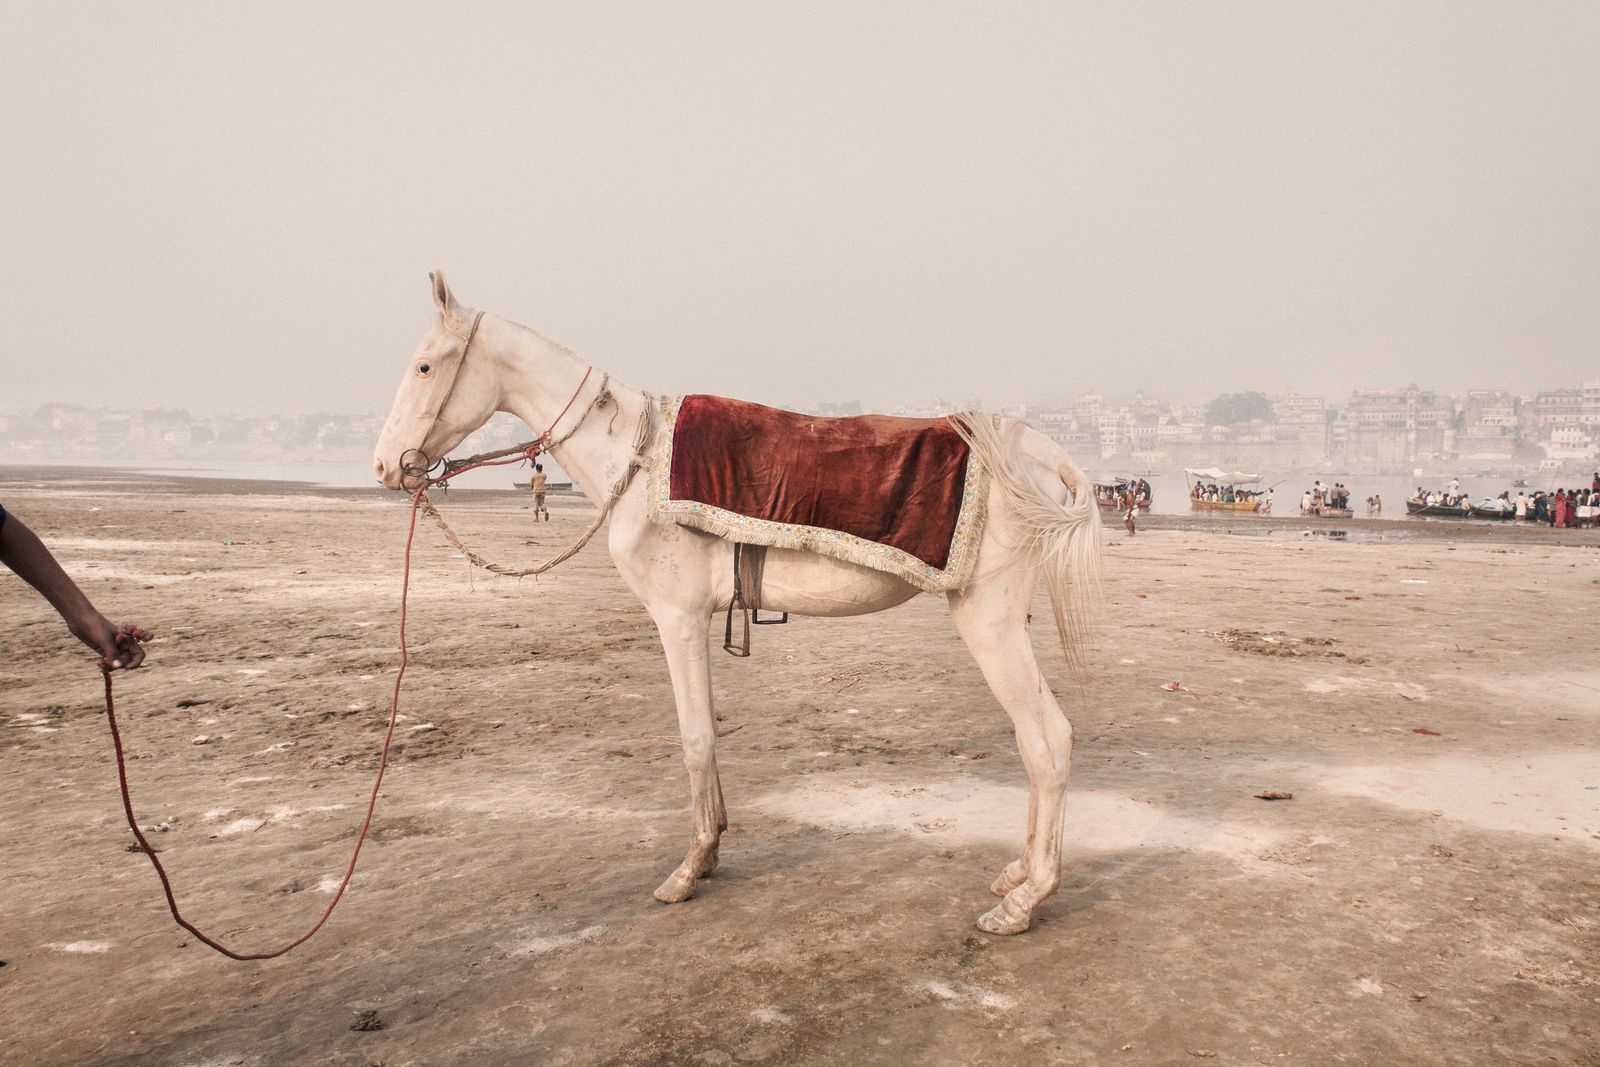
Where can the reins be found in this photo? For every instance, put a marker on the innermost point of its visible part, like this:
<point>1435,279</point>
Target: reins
<point>517,453</point>
<point>419,499</point>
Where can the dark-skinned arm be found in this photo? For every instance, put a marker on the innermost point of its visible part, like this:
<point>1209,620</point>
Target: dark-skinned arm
<point>24,553</point>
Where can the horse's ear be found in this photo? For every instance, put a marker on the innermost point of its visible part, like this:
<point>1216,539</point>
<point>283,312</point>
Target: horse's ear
<point>441,293</point>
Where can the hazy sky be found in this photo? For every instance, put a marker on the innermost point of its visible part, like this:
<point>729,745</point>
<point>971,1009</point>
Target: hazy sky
<point>231,207</point>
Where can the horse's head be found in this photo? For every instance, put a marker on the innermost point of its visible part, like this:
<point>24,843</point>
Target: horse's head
<point>442,398</point>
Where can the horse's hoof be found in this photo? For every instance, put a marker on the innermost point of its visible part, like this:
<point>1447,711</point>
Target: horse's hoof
<point>676,889</point>
<point>1006,883</point>
<point>997,920</point>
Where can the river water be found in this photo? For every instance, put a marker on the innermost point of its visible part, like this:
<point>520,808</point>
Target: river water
<point>1170,493</point>
<point>340,475</point>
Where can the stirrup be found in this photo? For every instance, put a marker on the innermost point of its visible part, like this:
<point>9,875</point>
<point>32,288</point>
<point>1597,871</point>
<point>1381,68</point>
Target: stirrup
<point>746,601</point>
<point>741,650</point>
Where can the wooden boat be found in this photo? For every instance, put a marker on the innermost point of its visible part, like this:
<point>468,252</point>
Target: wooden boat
<point>1222,477</point>
<point>1495,514</point>
<point>1109,495</point>
<point>1328,513</point>
<point>1221,505</point>
<point>1437,511</point>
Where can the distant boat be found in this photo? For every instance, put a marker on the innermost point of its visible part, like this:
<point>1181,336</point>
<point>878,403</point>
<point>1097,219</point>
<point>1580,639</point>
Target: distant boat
<point>549,487</point>
<point>1437,511</point>
<point>1109,495</point>
<point>1224,505</point>
<point>1221,477</point>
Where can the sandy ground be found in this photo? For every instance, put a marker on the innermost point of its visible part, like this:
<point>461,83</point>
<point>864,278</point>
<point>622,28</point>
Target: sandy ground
<point>1425,897</point>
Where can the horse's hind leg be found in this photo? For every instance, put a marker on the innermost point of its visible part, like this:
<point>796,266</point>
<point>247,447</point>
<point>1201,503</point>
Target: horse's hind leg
<point>992,617</point>
<point>684,636</point>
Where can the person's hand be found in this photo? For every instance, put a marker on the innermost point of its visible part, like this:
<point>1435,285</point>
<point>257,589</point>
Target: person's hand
<point>118,647</point>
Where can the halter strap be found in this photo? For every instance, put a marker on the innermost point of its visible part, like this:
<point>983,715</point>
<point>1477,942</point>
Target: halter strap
<point>449,368</point>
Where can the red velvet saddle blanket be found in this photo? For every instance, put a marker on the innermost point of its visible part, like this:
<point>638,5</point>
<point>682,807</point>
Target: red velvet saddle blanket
<point>890,493</point>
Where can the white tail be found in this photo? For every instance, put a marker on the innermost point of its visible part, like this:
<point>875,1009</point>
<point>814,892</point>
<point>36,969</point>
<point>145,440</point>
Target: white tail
<point>1066,537</point>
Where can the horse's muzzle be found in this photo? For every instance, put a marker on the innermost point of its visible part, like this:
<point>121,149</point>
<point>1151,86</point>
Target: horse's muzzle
<point>412,470</point>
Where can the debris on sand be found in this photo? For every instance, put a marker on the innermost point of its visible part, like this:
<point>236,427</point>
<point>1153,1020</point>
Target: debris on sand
<point>1275,643</point>
<point>190,702</point>
<point>1425,730</point>
<point>366,1021</point>
<point>1174,687</point>
<point>200,739</point>
<point>1561,976</point>
<point>1440,851</point>
<point>1274,795</point>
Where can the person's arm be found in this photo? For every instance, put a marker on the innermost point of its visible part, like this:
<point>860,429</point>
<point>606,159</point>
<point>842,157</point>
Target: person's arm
<point>25,554</point>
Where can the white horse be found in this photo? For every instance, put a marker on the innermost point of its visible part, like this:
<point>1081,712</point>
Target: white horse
<point>1042,517</point>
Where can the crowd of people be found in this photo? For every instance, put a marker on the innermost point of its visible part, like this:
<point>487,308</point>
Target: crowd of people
<point>1135,491</point>
<point>1227,494</point>
<point>1321,497</point>
<point>1449,497</point>
<point>1562,508</point>
<point>1559,508</point>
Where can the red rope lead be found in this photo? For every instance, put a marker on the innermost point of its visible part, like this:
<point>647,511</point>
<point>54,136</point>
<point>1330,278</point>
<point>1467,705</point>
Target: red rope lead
<point>383,755</point>
<point>544,438</point>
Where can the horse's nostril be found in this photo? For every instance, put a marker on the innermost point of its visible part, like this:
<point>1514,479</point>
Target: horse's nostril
<point>379,469</point>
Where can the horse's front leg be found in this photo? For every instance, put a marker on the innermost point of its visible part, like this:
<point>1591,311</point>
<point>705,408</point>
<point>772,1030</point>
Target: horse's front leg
<point>685,636</point>
<point>1017,872</point>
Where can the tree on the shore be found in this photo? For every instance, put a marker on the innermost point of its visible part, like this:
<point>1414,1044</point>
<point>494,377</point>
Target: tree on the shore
<point>1231,408</point>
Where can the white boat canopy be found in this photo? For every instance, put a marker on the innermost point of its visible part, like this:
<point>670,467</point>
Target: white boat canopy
<point>1217,474</point>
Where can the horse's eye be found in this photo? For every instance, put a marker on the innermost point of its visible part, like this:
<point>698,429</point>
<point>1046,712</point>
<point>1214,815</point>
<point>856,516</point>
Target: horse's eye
<point>424,368</point>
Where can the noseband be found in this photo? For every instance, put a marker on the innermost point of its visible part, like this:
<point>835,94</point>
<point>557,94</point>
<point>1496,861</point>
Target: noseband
<point>449,369</point>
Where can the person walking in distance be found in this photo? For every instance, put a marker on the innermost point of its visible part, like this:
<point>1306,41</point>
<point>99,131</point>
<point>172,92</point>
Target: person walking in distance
<point>540,512</point>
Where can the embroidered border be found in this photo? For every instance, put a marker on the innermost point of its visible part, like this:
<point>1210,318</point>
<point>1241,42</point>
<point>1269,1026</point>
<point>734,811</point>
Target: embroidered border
<point>732,526</point>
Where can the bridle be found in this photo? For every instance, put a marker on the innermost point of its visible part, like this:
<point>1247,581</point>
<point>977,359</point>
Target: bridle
<point>450,370</point>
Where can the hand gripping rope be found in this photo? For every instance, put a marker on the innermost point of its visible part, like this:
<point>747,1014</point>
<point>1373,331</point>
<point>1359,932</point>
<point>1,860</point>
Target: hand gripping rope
<point>419,499</point>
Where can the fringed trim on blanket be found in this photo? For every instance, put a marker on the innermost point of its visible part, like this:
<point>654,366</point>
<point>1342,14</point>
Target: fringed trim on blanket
<point>732,526</point>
